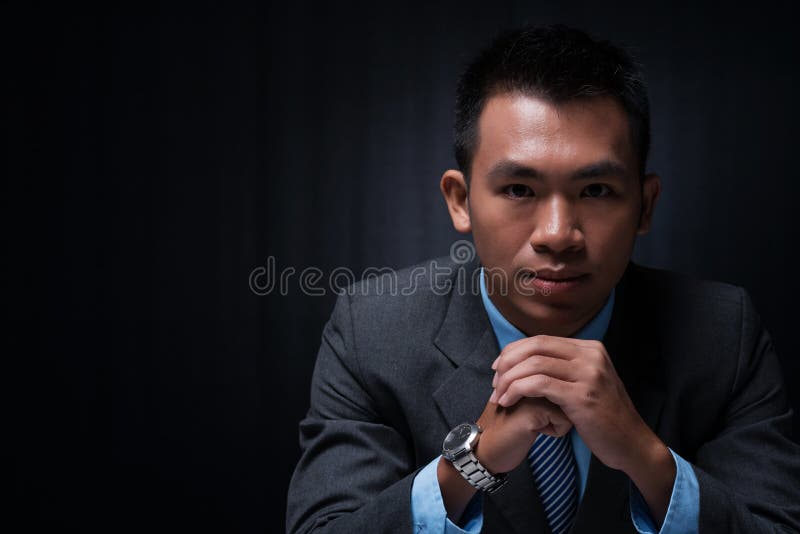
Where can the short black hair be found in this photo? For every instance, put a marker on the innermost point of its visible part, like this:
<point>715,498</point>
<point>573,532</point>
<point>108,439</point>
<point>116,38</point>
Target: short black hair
<point>555,63</point>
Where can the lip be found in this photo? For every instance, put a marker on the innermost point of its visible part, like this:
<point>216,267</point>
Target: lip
<point>554,274</point>
<point>548,281</point>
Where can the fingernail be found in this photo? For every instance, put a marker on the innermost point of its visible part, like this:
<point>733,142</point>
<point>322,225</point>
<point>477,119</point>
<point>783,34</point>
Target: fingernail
<point>494,363</point>
<point>494,380</point>
<point>503,399</point>
<point>493,398</point>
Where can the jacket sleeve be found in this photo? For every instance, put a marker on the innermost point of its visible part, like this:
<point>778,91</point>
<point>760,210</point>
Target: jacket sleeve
<point>355,471</point>
<point>749,474</point>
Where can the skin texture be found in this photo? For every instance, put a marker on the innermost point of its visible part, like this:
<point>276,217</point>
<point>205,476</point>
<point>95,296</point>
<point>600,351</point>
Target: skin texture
<point>556,187</point>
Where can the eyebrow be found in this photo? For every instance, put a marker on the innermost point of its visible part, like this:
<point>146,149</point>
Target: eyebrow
<point>511,169</point>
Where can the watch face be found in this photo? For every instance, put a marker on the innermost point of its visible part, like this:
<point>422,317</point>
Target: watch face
<point>458,437</point>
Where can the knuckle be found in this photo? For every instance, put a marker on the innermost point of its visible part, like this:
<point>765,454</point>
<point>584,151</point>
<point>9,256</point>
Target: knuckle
<point>534,423</point>
<point>512,388</point>
<point>541,341</point>
<point>537,342</point>
<point>502,365</point>
<point>502,357</point>
<point>596,375</point>
<point>533,363</point>
<point>540,381</point>
<point>560,429</point>
<point>503,382</point>
<point>599,350</point>
<point>506,363</point>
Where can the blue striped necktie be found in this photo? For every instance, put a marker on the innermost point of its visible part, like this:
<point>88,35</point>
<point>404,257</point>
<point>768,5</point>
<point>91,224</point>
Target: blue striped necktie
<point>554,473</point>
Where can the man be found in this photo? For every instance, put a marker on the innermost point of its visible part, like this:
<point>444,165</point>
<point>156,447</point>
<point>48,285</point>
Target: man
<point>575,391</point>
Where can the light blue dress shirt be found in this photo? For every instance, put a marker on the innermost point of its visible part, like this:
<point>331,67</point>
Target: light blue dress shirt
<point>427,507</point>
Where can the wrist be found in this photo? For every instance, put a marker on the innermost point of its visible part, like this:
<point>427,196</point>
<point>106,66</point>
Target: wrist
<point>653,472</point>
<point>455,490</point>
<point>483,452</point>
<point>500,452</point>
<point>651,457</point>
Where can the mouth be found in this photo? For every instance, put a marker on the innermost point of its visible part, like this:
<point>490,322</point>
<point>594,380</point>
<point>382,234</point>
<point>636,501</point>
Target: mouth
<point>548,281</point>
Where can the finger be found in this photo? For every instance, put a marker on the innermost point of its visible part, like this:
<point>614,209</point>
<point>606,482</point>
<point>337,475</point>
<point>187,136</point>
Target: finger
<point>556,391</point>
<point>558,423</point>
<point>556,428</point>
<point>535,365</point>
<point>556,347</point>
<point>508,348</point>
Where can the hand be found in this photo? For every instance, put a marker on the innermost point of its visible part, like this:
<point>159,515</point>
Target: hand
<point>578,376</point>
<point>509,432</point>
<point>507,436</point>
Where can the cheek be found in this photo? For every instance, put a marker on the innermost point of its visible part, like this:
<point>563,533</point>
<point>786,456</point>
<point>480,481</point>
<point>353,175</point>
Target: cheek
<point>611,235</point>
<point>497,239</point>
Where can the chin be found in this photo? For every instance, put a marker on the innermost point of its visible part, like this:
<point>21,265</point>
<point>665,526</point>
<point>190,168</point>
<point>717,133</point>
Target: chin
<point>551,316</point>
<point>555,305</point>
<point>544,315</point>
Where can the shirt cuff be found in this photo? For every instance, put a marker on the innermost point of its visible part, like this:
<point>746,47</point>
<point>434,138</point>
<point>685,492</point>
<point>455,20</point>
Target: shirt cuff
<point>427,508</point>
<point>684,504</point>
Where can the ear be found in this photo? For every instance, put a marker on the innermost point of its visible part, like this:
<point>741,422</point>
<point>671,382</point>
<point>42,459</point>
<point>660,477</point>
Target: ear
<point>651,188</point>
<point>456,194</point>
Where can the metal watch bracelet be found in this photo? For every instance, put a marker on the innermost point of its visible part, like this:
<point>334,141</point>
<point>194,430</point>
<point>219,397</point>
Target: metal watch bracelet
<point>477,475</point>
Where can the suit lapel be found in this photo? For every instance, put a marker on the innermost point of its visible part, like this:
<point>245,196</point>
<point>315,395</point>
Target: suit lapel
<point>467,339</point>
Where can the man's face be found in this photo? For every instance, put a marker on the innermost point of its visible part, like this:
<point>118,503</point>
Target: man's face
<point>553,187</point>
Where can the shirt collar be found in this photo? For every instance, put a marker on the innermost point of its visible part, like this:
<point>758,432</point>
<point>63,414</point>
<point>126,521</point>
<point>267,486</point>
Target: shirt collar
<point>507,332</point>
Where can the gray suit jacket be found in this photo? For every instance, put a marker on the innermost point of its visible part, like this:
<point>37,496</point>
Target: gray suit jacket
<point>395,372</point>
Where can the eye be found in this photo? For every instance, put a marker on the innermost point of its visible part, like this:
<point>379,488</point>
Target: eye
<point>518,191</point>
<point>597,191</point>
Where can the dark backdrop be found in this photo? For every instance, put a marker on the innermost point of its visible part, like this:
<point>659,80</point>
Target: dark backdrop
<point>153,161</point>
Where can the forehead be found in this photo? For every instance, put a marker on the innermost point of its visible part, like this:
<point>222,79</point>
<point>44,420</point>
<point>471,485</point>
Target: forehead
<point>558,137</point>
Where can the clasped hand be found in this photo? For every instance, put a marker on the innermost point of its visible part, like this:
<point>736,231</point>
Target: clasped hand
<point>547,384</point>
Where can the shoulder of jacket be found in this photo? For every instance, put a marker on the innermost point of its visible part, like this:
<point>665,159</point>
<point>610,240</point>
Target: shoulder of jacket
<point>432,276</point>
<point>680,288</point>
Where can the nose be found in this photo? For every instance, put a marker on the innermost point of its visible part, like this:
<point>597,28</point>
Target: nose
<point>556,227</point>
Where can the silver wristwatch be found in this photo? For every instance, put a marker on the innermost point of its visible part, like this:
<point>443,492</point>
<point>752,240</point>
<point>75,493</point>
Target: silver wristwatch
<point>457,448</point>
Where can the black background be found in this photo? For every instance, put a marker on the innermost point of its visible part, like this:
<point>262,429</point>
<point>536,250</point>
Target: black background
<point>154,160</point>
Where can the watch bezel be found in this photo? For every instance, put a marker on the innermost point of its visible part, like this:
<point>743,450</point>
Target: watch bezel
<point>464,447</point>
